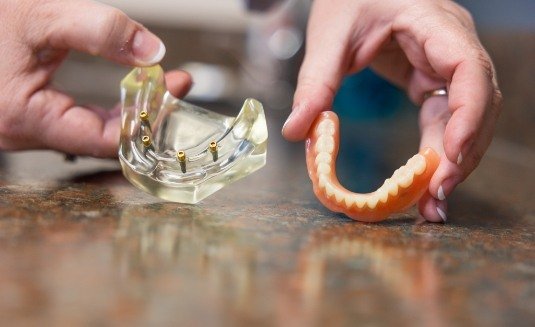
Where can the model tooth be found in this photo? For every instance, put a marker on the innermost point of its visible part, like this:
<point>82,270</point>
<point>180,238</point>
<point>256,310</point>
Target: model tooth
<point>411,160</point>
<point>396,173</point>
<point>329,189</point>
<point>349,200</point>
<point>372,201</point>
<point>322,181</point>
<point>325,144</point>
<point>382,194</point>
<point>360,200</point>
<point>391,187</point>
<point>405,180</point>
<point>324,168</point>
<point>323,157</point>
<point>419,164</point>
<point>326,127</point>
<point>339,195</point>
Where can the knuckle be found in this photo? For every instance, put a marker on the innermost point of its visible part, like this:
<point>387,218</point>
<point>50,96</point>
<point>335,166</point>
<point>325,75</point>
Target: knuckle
<point>466,16</point>
<point>498,99</point>
<point>497,103</point>
<point>485,63</point>
<point>311,86</point>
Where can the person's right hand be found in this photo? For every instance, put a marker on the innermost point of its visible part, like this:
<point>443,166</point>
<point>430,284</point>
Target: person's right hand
<point>420,45</point>
<point>35,37</point>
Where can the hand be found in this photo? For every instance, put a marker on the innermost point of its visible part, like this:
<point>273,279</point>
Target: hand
<point>420,45</point>
<point>35,36</point>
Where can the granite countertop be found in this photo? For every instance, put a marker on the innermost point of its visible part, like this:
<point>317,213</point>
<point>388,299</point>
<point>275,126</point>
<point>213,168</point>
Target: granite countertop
<point>80,246</point>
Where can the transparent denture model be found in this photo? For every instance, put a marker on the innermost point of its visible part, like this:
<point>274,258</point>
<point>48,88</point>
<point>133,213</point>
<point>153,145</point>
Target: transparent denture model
<point>181,152</point>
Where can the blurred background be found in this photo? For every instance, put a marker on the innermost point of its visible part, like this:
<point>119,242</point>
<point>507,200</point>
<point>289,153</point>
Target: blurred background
<point>253,48</point>
<point>236,49</point>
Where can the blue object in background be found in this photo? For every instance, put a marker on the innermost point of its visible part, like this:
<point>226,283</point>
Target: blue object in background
<point>367,96</point>
<point>364,98</point>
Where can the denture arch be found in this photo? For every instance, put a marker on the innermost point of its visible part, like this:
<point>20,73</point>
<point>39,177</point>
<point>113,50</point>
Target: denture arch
<point>398,193</point>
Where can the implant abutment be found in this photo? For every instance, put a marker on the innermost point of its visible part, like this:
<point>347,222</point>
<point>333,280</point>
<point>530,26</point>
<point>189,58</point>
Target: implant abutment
<point>213,150</point>
<point>181,158</point>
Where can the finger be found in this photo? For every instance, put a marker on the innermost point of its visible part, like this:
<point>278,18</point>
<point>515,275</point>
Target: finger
<point>55,122</point>
<point>59,124</point>
<point>325,63</point>
<point>475,105</point>
<point>434,116</point>
<point>98,29</point>
<point>459,58</point>
<point>178,83</point>
<point>470,100</point>
<point>432,209</point>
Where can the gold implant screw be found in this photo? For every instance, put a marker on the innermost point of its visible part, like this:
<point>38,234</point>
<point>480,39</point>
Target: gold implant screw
<point>144,116</point>
<point>213,149</point>
<point>146,141</point>
<point>181,157</point>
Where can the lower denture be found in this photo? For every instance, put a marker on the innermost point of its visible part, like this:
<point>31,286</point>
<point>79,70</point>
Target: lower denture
<point>397,194</point>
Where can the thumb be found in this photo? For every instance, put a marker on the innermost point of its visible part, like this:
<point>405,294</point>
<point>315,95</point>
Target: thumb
<point>99,30</point>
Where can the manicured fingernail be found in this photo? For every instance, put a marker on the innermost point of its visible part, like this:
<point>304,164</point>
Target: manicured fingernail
<point>442,214</point>
<point>147,48</point>
<point>440,194</point>
<point>460,158</point>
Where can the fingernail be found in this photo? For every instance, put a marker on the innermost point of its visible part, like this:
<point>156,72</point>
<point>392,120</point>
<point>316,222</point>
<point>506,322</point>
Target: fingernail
<point>447,186</point>
<point>465,148</point>
<point>147,48</point>
<point>288,120</point>
<point>442,214</point>
<point>440,194</point>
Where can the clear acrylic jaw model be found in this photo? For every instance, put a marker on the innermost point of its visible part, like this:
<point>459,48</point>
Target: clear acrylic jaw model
<point>181,152</point>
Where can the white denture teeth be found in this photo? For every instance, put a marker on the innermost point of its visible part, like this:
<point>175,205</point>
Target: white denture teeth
<point>323,180</point>
<point>419,165</point>
<point>391,187</point>
<point>323,157</point>
<point>324,168</point>
<point>324,147</point>
<point>382,194</point>
<point>326,127</point>
<point>325,144</point>
<point>405,179</point>
<point>360,200</point>
<point>349,200</point>
<point>372,201</point>
<point>339,195</point>
<point>329,189</point>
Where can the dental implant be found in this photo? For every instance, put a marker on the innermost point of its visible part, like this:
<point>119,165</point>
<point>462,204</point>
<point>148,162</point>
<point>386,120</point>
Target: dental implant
<point>181,157</point>
<point>144,116</point>
<point>213,150</point>
<point>147,143</point>
<point>145,123</point>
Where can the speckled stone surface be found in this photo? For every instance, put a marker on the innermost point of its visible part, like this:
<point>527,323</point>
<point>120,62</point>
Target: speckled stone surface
<point>80,246</point>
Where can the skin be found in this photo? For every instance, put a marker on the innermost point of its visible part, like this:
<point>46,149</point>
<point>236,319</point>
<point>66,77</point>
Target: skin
<point>35,38</point>
<point>419,45</point>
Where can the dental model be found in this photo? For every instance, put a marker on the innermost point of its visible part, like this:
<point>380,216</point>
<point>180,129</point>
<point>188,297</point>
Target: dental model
<point>397,194</point>
<point>180,152</point>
